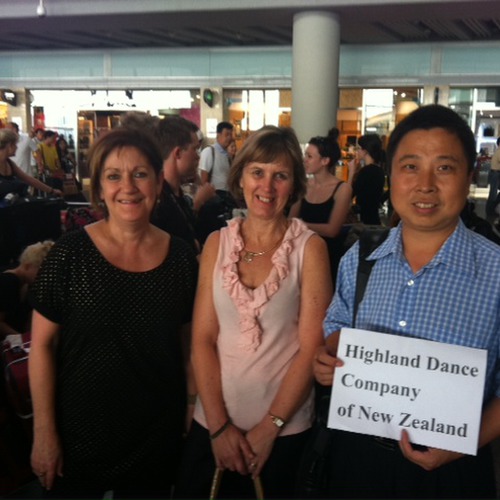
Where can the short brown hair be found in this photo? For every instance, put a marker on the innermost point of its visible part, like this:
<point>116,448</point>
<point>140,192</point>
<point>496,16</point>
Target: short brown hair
<point>175,131</point>
<point>7,136</point>
<point>117,139</point>
<point>270,144</point>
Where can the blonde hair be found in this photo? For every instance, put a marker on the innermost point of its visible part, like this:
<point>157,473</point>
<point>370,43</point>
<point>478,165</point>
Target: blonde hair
<point>34,254</point>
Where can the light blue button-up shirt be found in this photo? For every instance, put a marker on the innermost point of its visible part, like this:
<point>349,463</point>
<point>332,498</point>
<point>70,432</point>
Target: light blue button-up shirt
<point>454,299</point>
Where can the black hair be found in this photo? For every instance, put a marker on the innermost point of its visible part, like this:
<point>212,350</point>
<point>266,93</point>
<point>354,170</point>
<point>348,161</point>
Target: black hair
<point>48,133</point>
<point>174,131</point>
<point>222,125</point>
<point>430,117</point>
<point>373,144</point>
<point>334,133</point>
<point>328,147</point>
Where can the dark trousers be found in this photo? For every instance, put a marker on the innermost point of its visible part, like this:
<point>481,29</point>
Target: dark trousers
<point>366,467</point>
<point>278,475</point>
<point>82,492</point>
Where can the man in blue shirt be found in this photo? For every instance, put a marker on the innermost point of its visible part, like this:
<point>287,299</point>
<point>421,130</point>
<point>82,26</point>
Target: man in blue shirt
<point>432,279</point>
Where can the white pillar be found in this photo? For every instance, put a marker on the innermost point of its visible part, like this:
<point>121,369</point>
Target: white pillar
<point>315,73</point>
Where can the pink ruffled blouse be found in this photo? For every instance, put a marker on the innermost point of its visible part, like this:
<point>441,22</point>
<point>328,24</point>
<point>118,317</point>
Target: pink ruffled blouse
<point>258,335</point>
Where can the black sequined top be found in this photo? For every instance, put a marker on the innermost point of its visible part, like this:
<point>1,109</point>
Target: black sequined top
<point>120,379</point>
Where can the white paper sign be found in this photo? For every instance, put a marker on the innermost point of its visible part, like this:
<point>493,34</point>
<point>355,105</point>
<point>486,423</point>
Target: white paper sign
<point>389,383</point>
<point>211,127</point>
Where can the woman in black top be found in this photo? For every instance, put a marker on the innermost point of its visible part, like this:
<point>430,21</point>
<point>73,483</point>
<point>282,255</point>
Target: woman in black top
<point>327,201</point>
<point>367,177</point>
<point>112,306</point>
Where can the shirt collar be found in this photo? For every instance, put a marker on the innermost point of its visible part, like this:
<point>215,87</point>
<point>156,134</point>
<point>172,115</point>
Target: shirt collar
<point>455,253</point>
<point>220,149</point>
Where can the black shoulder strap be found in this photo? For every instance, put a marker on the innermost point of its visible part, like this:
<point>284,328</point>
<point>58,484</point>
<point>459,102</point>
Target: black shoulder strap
<point>336,188</point>
<point>369,240</point>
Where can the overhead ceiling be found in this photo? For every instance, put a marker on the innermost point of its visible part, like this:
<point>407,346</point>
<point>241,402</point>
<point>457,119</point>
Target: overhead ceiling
<point>225,24</point>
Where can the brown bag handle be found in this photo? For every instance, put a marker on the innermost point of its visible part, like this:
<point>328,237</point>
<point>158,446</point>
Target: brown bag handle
<point>214,490</point>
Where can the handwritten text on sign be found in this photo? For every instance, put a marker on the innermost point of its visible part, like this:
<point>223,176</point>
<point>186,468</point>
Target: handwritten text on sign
<point>389,383</point>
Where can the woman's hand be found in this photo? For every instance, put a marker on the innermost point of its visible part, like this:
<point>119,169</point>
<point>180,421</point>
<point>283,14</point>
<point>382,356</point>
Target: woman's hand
<point>261,438</point>
<point>46,455</point>
<point>232,451</point>
<point>353,167</point>
<point>46,458</point>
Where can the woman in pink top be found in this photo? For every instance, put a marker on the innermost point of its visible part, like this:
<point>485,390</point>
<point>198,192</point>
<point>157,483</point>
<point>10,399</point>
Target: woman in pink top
<point>263,290</point>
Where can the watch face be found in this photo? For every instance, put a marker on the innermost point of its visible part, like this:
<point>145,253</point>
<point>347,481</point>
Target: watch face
<point>278,421</point>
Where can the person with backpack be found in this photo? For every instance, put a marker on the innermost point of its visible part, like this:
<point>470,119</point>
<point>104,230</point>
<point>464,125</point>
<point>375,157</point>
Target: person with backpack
<point>214,169</point>
<point>426,282</point>
<point>214,160</point>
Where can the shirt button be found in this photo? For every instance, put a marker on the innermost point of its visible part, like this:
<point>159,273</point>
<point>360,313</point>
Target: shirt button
<point>411,283</point>
<point>402,323</point>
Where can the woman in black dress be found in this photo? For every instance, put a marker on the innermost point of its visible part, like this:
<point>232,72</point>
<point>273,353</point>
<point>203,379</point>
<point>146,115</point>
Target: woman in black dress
<point>327,201</point>
<point>107,370</point>
<point>367,177</point>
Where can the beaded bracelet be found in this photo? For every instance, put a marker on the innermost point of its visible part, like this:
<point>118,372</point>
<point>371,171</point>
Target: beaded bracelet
<point>218,432</point>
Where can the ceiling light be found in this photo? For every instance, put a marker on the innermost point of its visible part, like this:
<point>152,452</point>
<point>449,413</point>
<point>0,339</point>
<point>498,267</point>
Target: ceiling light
<point>40,10</point>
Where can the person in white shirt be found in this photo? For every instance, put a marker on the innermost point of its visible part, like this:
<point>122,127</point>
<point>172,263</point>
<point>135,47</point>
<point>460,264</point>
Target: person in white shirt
<point>214,160</point>
<point>26,146</point>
